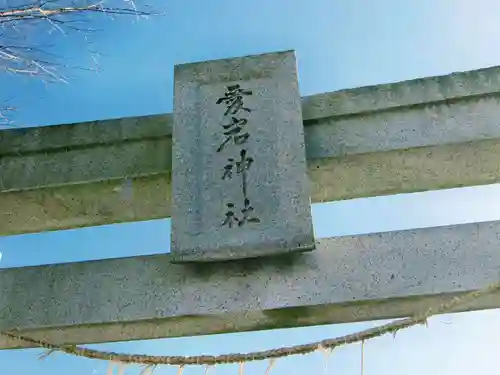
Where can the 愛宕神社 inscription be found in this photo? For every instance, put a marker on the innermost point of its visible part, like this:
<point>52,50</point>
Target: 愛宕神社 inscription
<point>239,177</point>
<point>235,132</point>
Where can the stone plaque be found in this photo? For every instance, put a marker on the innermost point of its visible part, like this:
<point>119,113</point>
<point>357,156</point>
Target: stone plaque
<point>239,174</point>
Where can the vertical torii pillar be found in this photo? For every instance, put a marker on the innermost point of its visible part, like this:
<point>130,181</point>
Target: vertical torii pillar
<point>239,177</point>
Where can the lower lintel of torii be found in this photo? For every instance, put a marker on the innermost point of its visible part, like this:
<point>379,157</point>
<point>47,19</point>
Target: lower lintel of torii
<point>346,279</point>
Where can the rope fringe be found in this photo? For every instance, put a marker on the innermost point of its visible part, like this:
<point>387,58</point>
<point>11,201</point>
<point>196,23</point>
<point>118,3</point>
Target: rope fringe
<point>326,353</point>
<point>270,366</point>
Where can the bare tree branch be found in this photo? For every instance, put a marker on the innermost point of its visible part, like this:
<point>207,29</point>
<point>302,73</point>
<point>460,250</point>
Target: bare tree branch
<point>25,23</point>
<point>30,32</point>
<point>43,12</point>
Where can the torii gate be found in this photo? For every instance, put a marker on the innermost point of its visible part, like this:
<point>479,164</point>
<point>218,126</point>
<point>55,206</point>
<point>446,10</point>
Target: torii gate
<point>425,134</point>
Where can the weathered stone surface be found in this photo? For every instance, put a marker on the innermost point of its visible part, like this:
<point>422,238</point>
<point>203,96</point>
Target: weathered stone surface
<point>239,176</point>
<point>33,158</point>
<point>346,279</point>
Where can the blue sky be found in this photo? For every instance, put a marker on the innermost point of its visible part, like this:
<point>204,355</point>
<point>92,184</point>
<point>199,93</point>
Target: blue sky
<point>339,44</point>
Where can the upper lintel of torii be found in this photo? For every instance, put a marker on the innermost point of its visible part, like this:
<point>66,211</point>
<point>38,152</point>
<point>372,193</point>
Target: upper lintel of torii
<point>361,142</point>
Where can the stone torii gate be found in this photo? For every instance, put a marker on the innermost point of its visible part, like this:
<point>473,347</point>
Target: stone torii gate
<point>236,167</point>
